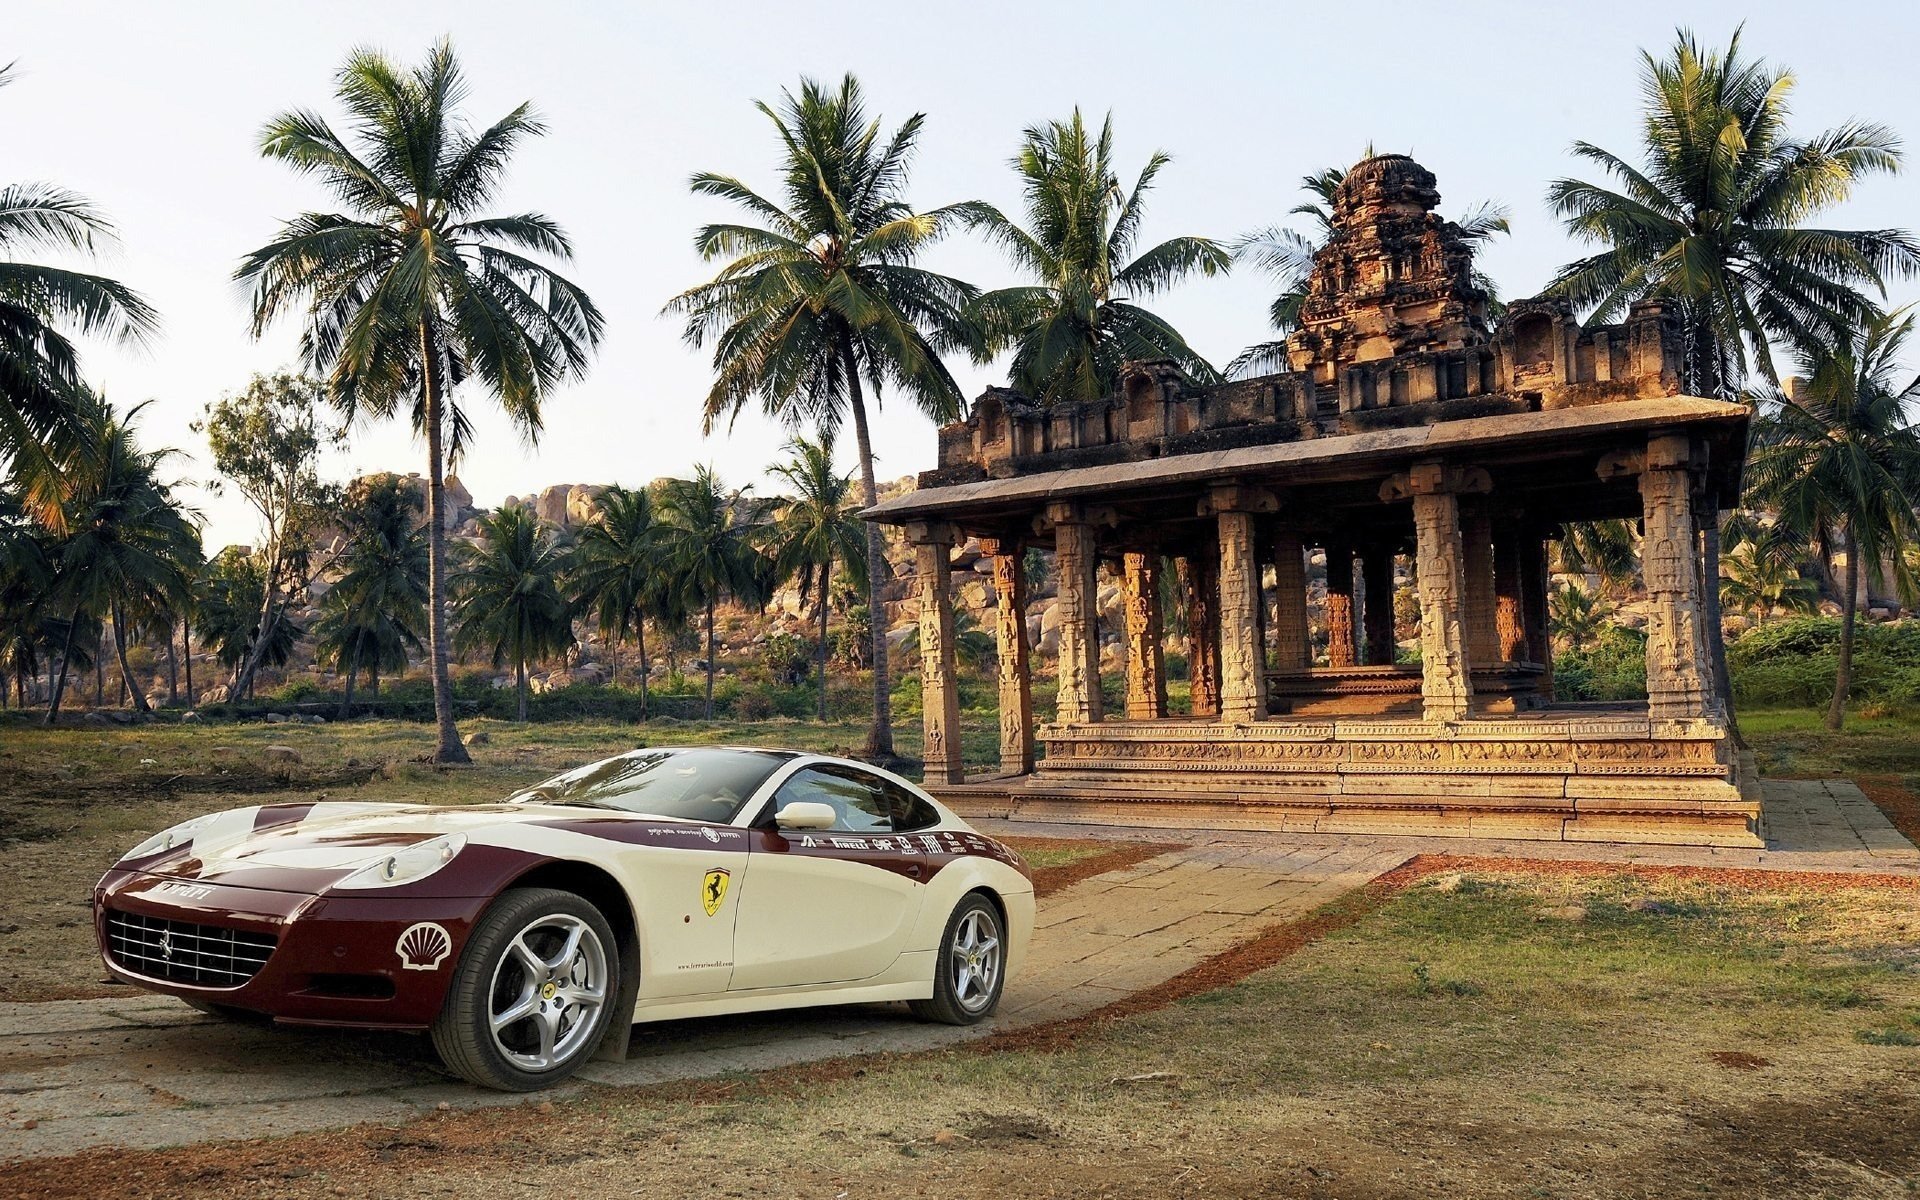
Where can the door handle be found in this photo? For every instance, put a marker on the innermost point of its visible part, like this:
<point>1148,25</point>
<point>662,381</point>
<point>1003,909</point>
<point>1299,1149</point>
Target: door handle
<point>913,870</point>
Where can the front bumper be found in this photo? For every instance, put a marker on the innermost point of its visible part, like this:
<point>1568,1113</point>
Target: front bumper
<point>338,959</point>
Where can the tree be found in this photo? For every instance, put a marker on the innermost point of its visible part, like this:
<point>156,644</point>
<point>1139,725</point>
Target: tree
<point>129,546</point>
<point>509,600</point>
<point>820,301</point>
<point>1609,549</point>
<point>1576,615</point>
<point>818,524</point>
<point>40,390</point>
<point>1839,459</point>
<point>414,289</point>
<point>1286,256</point>
<point>28,625</point>
<point>266,442</point>
<point>619,572</point>
<point>226,605</point>
<point>1714,221</point>
<point>712,538</point>
<point>1760,576</point>
<point>1079,322</point>
<point>376,611</point>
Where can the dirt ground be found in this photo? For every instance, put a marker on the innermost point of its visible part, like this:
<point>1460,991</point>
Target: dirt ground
<point>1470,1028</point>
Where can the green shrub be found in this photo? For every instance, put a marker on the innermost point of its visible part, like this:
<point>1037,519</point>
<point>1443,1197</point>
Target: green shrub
<point>1614,667</point>
<point>1792,663</point>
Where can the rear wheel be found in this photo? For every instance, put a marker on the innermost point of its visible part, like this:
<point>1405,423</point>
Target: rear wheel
<point>970,968</point>
<point>533,994</point>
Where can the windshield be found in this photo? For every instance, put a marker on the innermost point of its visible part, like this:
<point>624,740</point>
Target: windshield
<point>688,785</point>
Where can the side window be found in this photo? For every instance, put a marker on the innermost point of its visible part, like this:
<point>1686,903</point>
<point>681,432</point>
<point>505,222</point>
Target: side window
<point>858,800</point>
<point>909,809</point>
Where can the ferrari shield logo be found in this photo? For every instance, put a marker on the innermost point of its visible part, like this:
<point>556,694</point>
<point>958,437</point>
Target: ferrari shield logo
<point>713,889</point>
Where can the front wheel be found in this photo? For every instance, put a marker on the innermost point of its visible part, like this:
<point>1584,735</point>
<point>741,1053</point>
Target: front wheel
<point>970,968</point>
<point>533,994</point>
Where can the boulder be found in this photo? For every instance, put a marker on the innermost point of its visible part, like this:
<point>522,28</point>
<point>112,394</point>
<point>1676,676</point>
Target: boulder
<point>479,737</point>
<point>459,502</point>
<point>277,718</point>
<point>281,754</point>
<point>583,503</point>
<point>551,506</point>
<point>190,717</point>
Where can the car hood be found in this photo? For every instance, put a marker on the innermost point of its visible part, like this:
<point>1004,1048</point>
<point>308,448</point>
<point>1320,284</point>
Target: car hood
<point>306,846</point>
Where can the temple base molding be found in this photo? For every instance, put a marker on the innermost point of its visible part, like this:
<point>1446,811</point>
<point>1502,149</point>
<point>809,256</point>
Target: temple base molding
<point>1595,776</point>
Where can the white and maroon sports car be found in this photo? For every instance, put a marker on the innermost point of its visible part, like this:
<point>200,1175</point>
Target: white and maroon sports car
<point>530,934</point>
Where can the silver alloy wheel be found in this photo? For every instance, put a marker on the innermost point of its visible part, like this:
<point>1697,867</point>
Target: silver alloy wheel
<point>548,990</point>
<point>976,960</point>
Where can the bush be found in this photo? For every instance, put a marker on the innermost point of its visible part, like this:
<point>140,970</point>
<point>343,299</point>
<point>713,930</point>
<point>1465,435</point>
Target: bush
<point>786,660</point>
<point>1614,667</point>
<point>1792,663</point>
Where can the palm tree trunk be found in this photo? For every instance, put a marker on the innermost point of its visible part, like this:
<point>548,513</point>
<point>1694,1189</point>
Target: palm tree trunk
<point>520,682</point>
<point>1843,677</point>
<point>880,733</point>
<point>826,569</point>
<point>449,748</point>
<point>1716,634</point>
<point>640,643</point>
<point>59,685</point>
<point>353,669</point>
<point>138,697</point>
<point>186,655</point>
<point>173,670</point>
<point>711,664</point>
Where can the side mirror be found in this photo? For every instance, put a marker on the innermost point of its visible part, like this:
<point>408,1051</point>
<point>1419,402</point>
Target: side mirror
<point>806,814</point>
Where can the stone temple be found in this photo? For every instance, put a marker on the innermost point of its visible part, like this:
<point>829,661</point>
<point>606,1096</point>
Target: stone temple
<point>1410,438</point>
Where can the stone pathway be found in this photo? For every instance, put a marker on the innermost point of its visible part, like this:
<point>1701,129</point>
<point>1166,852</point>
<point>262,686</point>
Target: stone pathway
<point>144,1071</point>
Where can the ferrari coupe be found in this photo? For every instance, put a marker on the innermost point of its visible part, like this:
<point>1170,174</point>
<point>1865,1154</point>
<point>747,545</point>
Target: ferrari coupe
<point>529,935</point>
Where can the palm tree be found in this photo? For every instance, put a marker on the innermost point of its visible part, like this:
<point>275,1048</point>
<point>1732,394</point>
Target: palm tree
<point>1609,549</point>
<point>1286,255</point>
<point>1714,222</point>
<point>376,611</point>
<point>1840,461</point>
<point>818,524</point>
<point>1074,327</point>
<point>820,301</point>
<point>40,389</point>
<point>1576,615</point>
<point>619,572</point>
<point>712,538</point>
<point>27,569</point>
<point>226,605</point>
<point>509,600</point>
<point>130,545</point>
<point>1760,576</point>
<point>414,290</point>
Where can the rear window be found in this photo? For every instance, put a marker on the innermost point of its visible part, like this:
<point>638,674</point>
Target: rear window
<point>687,785</point>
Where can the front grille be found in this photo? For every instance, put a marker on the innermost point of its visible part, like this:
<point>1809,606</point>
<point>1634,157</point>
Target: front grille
<point>183,952</point>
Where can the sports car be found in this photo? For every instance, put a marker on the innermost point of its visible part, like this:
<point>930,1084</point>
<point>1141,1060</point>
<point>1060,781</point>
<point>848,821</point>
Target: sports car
<point>528,936</point>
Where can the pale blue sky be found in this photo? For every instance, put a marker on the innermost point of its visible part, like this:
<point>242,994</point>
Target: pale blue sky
<point>152,110</point>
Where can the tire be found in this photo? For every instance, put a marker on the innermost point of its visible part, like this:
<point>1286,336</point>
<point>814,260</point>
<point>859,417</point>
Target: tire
<point>548,956</point>
<point>970,968</point>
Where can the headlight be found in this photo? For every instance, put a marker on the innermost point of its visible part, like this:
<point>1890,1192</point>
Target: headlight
<point>414,863</point>
<point>167,839</point>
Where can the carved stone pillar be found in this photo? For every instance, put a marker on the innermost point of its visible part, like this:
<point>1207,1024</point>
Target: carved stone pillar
<point>1340,649</point>
<point>1677,675</point>
<point>1078,602</point>
<point>939,690</point>
<point>1290,640</point>
<point>1146,662</point>
<point>1376,575</point>
<point>1446,689</point>
<point>1535,582</point>
<point>1243,674</point>
<point>1509,594</point>
<point>1200,586</point>
<point>1016,675</point>
<point>1476,533</point>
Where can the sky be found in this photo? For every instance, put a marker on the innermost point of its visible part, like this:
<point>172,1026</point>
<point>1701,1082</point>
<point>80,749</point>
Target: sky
<point>153,111</point>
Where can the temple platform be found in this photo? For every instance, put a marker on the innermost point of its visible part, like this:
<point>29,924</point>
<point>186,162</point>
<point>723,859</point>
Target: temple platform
<point>1602,773</point>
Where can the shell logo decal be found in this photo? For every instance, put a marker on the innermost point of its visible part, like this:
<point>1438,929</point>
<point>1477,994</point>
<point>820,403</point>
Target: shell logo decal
<point>713,889</point>
<point>423,946</point>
